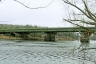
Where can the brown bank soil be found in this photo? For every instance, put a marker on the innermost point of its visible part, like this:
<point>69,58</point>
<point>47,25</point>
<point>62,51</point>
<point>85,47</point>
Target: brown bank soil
<point>33,38</point>
<point>65,39</point>
<point>18,38</point>
<point>9,37</point>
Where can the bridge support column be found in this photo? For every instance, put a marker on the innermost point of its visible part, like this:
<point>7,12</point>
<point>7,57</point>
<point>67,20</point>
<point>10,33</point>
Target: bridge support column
<point>50,36</point>
<point>85,37</point>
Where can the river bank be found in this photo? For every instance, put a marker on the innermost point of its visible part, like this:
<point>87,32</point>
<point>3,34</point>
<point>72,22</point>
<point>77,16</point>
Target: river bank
<point>8,37</point>
<point>2,36</point>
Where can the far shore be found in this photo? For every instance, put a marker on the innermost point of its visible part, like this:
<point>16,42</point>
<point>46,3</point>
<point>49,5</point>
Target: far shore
<point>33,38</point>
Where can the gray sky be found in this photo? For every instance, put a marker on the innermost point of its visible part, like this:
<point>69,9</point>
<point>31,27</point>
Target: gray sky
<point>50,16</point>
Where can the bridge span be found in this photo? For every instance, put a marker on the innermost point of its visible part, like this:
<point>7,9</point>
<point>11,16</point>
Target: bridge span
<point>63,29</point>
<point>51,32</point>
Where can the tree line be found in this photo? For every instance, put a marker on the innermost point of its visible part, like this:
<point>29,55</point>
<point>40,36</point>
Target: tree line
<point>10,26</point>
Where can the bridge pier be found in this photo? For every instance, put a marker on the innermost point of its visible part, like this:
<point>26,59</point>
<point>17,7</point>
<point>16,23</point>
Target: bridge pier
<point>50,36</point>
<point>85,37</point>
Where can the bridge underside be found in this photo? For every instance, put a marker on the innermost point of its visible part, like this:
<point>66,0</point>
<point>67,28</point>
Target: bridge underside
<point>47,36</point>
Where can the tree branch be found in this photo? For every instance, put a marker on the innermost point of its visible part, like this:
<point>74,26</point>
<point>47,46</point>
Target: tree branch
<point>92,16</point>
<point>75,24</point>
<point>35,7</point>
<point>88,14</point>
<point>8,21</point>
<point>67,2</point>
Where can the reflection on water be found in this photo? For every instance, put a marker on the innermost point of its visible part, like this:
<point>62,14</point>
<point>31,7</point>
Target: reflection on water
<point>38,52</point>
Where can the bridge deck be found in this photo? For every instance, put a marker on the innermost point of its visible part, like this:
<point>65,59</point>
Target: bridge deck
<point>66,29</point>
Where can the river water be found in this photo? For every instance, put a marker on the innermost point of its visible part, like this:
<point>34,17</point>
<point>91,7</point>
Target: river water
<point>40,52</point>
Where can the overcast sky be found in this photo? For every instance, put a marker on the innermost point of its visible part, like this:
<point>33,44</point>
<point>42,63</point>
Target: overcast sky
<point>15,13</point>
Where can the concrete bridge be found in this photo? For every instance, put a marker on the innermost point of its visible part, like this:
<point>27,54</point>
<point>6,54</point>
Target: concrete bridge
<point>51,32</point>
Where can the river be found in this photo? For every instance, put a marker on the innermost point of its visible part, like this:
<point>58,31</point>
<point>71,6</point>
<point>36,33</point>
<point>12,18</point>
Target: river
<point>40,52</point>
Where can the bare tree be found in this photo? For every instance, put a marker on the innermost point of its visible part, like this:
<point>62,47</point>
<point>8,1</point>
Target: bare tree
<point>86,12</point>
<point>82,11</point>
